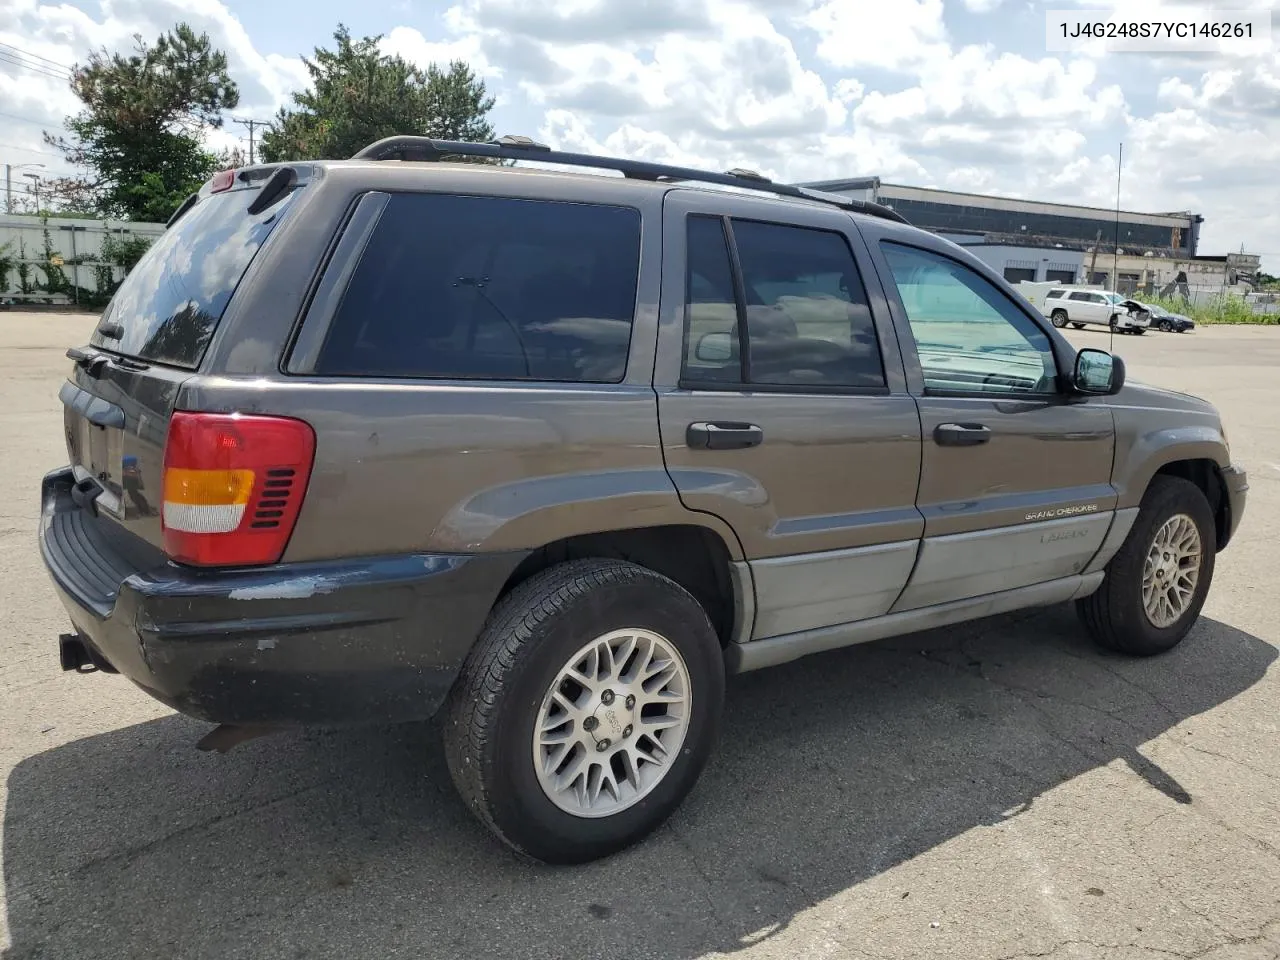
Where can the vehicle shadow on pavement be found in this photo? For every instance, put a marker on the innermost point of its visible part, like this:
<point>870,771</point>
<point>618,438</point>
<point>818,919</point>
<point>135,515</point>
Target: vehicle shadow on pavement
<point>831,771</point>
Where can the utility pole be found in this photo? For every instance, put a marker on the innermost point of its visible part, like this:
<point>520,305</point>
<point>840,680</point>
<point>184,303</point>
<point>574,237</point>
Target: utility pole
<point>251,124</point>
<point>35,181</point>
<point>1115,270</point>
<point>8,182</point>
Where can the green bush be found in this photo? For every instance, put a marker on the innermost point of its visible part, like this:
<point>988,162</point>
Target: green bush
<point>1220,309</point>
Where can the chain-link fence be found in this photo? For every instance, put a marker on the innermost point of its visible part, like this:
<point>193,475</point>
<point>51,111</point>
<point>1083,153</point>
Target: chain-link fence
<point>66,261</point>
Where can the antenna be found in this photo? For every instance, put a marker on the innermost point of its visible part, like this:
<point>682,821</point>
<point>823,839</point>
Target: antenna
<point>1115,268</point>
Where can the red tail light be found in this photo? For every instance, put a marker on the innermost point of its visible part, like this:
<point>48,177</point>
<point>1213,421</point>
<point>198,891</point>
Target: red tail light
<point>233,486</point>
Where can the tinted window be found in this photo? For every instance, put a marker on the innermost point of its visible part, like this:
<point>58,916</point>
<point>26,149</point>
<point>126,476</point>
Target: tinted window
<point>490,288</point>
<point>1081,297</point>
<point>1056,294</point>
<point>970,337</point>
<point>711,313</point>
<point>807,316</point>
<point>169,305</point>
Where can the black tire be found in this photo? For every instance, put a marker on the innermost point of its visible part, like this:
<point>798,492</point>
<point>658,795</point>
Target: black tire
<point>1139,331</point>
<point>1114,615</point>
<point>1058,318</point>
<point>489,716</point>
<point>1078,326</point>
<point>1166,326</point>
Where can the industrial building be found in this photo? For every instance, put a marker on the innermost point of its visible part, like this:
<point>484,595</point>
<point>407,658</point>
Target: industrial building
<point>1056,242</point>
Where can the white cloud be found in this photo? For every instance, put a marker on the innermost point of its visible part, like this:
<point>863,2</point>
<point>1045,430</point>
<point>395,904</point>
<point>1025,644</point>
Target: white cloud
<point>873,33</point>
<point>67,35</point>
<point>409,43</point>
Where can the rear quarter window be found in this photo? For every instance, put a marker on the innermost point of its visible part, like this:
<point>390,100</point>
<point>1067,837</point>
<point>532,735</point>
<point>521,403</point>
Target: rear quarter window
<point>169,305</point>
<point>490,288</point>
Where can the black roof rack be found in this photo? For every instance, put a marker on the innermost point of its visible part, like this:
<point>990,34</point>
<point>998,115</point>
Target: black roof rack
<point>524,148</point>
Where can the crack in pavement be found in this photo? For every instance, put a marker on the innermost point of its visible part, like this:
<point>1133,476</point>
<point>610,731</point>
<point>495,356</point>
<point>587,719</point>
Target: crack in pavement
<point>707,881</point>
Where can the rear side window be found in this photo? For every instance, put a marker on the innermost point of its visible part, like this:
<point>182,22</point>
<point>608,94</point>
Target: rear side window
<point>490,288</point>
<point>1055,294</point>
<point>168,307</point>
<point>808,324</point>
<point>1086,298</point>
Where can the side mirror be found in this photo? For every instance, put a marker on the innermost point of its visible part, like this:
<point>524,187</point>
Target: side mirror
<point>715,348</point>
<point>1097,373</point>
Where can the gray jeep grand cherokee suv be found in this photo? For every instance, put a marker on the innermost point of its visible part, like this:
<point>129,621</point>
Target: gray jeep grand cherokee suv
<point>553,452</point>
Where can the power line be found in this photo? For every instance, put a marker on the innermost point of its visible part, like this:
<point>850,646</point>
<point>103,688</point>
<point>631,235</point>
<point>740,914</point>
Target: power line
<point>43,153</point>
<point>35,56</point>
<point>34,67</point>
<point>38,123</point>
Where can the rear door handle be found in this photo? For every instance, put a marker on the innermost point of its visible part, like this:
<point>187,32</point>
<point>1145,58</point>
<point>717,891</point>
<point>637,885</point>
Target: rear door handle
<point>723,436</point>
<point>961,434</point>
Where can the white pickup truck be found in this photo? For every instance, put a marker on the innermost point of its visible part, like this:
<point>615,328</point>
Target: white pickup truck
<point>1064,305</point>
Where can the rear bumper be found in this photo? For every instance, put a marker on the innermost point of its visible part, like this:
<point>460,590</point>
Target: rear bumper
<point>370,639</point>
<point>1237,483</point>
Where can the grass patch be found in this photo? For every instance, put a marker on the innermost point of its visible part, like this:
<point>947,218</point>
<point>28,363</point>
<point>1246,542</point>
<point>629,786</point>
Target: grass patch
<point>1218,310</point>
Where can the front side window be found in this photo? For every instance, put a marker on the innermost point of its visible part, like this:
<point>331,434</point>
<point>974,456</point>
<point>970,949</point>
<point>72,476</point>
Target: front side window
<point>490,288</point>
<point>1082,297</point>
<point>808,323</point>
<point>970,337</point>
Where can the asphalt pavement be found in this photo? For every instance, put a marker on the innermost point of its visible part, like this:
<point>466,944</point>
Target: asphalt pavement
<point>997,790</point>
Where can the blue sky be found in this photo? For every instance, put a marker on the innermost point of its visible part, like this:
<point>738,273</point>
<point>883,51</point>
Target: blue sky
<point>959,94</point>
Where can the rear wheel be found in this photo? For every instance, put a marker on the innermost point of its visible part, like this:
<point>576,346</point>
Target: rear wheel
<point>586,711</point>
<point>1058,318</point>
<point>1156,584</point>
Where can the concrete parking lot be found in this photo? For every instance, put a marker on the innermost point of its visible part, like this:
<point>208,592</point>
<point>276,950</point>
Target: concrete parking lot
<point>998,790</point>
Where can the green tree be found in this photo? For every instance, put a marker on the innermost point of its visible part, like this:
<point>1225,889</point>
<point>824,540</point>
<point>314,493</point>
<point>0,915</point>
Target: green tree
<point>139,136</point>
<point>358,95</point>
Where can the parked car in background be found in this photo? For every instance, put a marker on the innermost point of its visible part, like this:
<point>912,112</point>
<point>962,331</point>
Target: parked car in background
<point>1163,319</point>
<point>1079,308</point>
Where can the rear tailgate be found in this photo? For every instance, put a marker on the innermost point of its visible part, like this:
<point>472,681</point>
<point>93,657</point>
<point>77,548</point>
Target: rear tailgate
<point>151,338</point>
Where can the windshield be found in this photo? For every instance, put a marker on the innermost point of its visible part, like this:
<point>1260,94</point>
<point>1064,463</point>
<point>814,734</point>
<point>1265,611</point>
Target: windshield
<point>169,306</point>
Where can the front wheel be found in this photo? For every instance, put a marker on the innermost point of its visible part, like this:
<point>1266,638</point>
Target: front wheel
<point>1157,582</point>
<point>586,710</point>
<point>1058,318</point>
<point>1166,326</point>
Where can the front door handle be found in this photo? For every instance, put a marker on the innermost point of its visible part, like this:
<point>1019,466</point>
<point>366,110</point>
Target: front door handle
<point>961,434</point>
<point>723,436</point>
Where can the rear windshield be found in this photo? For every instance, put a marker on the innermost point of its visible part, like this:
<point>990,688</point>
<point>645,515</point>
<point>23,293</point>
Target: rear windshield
<point>169,306</point>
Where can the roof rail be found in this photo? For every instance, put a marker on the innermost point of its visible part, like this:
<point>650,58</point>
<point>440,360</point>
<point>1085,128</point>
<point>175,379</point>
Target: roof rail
<point>524,148</point>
